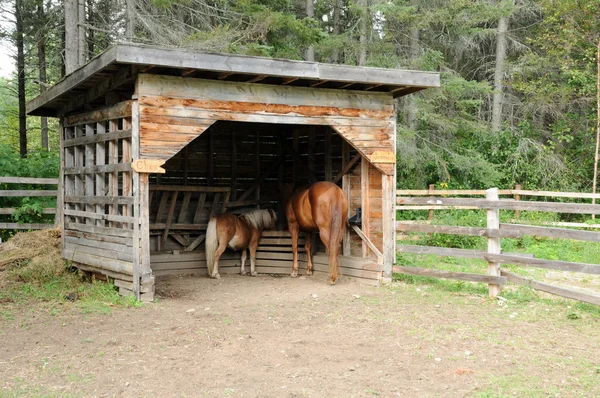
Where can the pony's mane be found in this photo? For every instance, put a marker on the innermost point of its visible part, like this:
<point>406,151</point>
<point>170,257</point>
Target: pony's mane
<point>260,219</point>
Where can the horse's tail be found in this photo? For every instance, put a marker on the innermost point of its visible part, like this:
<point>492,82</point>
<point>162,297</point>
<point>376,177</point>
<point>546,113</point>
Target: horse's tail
<point>338,225</point>
<point>211,244</point>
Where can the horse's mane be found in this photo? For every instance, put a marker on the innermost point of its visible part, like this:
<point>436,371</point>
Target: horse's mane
<point>260,219</point>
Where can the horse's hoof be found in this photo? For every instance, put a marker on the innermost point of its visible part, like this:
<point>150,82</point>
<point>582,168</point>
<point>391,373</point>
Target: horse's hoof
<point>244,273</point>
<point>294,274</point>
<point>332,281</point>
<point>309,272</point>
<point>216,276</point>
<point>254,273</point>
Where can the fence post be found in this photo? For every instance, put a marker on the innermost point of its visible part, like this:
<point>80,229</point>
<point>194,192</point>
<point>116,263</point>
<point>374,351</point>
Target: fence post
<point>493,222</point>
<point>517,198</point>
<point>431,189</point>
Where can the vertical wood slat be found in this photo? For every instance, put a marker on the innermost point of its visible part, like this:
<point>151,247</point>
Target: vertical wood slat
<point>137,199</point>
<point>169,220</point>
<point>346,189</point>
<point>113,178</point>
<point>162,205</point>
<point>211,160</point>
<point>364,192</point>
<point>126,175</point>
<point>79,162</point>
<point>328,149</point>
<point>280,204</point>
<point>184,207</point>
<point>388,211</point>
<point>233,166</point>
<point>100,160</point>
<point>60,203</point>
<point>215,205</point>
<point>295,142</point>
<point>257,161</point>
<point>69,161</point>
<point>199,207</point>
<point>493,222</point>
<point>89,178</point>
<point>311,150</point>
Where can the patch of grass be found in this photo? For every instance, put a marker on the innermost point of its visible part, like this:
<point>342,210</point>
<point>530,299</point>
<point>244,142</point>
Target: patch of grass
<point>540,247</point>
<point>56,293</point>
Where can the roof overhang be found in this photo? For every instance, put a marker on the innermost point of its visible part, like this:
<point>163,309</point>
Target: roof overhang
<point>117,67</point>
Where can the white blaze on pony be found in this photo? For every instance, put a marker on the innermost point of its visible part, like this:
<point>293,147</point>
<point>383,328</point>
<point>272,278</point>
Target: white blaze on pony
<point>237,233</point>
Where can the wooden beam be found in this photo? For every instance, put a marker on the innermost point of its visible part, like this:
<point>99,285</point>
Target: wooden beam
<point>433,273</point>
<point>28,180</point>
<point>257,78</point>
<point>289,80</point>
<point>125,74</point>
<point>347,168</point>
<point>556,290</point>
<point>272,168</point>
<point>368,243</point>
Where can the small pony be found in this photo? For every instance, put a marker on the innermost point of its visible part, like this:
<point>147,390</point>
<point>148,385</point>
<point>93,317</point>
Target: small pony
<point>239,233</point>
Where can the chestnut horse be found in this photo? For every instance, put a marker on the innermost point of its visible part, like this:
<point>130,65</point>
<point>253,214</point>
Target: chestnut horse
<point>321,207</point>
<point>239,233</point>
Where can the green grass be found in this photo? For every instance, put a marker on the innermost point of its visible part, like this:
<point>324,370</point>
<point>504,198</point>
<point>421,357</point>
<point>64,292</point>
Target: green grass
<point>541,247</point>
<point>54,294</point>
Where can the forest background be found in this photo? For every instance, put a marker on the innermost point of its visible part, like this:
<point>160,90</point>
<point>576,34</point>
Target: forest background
<point>517,103</point>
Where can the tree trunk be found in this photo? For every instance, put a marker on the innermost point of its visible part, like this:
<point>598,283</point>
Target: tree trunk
<point>364,17</point>
<point>498,74</point>
<point>21,78</point>
<point>90,34</point>
<point>41,47</point>
<point>597,126</point>
<point>130,19</point>
<point>414,55</point>
<point>335,57</point>
<point>71,35</point>
<point>310,13</point>
<point>81,40</point>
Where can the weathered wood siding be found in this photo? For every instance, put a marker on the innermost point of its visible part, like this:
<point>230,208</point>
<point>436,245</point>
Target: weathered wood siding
<point>273,256</point>
<point>98,218</point>
<point>175,110</point>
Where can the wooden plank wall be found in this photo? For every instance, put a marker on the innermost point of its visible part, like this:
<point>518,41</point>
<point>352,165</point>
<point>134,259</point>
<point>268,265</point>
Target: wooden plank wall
<point>98,196</point>
<point>175,110</point>
<point>274,256</point>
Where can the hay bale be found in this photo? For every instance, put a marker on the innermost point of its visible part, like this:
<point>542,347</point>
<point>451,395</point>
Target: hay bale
<point>33,255</point>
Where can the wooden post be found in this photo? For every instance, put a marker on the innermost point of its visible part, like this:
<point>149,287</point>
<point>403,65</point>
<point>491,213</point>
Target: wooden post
<point>328,170</point>
<point>389,225</point>
<point>430,213</point>
<point>364,193</point>
<point>257,161</point>
<point>233,167</point>
<point>517,198</point>
<point>595,180</point>
<point>211,156</point>
<point>493,222</point>
<point>346,189</point>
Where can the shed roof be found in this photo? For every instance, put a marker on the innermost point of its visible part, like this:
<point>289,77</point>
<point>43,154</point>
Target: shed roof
<point>114,71</point>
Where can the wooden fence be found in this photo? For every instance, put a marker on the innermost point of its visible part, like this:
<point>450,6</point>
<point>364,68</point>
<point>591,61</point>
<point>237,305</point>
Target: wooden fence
<point>7,211</point>
<point>496,277</point>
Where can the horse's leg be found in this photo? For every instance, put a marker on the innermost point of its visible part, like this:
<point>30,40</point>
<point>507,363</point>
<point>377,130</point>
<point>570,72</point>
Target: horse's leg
<point>243,266</point>
<point>307,246</point>
<point>253,247</point>
<point>218,253</point>
<point>294,231</point>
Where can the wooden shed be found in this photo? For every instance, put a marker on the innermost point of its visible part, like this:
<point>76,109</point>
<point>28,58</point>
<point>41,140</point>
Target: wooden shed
<point>229,129</point>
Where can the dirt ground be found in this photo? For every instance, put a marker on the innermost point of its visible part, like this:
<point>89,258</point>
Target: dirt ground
<point>281,337</point>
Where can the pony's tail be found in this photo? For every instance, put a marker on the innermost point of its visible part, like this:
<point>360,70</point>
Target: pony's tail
<point>211,244</point>
<point>338,225</point>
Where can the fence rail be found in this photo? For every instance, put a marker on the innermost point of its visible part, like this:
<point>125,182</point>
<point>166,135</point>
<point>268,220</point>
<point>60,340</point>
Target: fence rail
<point>495,230</point>
<point>15,193</point>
